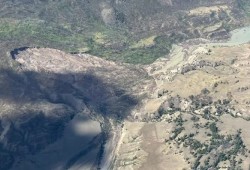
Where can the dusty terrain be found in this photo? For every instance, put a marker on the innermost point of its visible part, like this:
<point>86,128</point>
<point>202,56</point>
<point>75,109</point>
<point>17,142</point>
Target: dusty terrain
<point>201,96</point>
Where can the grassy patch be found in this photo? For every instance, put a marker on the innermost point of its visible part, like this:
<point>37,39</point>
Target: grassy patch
<point>146,42</point>
<point>144,55</point>
<point>100,38</point>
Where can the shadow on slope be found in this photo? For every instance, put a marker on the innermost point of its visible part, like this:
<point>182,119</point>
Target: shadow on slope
<point>102,97</point>
<point>43,106</point>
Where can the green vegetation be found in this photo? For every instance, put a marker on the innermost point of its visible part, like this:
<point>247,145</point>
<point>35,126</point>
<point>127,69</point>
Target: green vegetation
<point>101,40</point>
<point>140,55</point>
<point>39,33</point>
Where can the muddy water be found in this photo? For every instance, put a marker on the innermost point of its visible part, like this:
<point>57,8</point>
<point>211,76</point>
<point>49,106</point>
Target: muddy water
<point>238,36</point>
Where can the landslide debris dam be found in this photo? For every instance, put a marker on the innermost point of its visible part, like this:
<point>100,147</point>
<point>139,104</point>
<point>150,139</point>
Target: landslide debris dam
<point>121,85</point>
<point>188,110</point>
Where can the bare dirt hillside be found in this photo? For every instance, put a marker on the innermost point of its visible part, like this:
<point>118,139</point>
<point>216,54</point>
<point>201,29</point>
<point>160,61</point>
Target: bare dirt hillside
<point>198,115</point>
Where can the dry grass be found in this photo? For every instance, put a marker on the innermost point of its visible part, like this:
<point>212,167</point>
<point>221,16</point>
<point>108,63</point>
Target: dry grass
<point>144,43</point>
<point>207,10</point>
